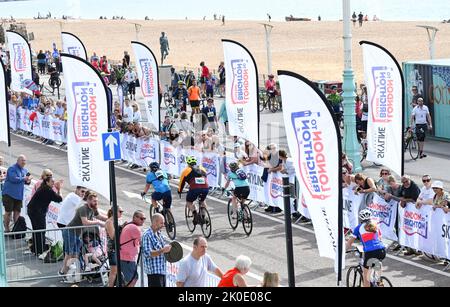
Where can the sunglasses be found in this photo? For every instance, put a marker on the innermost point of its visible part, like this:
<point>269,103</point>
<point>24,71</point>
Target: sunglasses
<point>142,218</point>
<point>426,180</point>
<point>120,211</point>
<point>83,191</point>
<point>384,174</point>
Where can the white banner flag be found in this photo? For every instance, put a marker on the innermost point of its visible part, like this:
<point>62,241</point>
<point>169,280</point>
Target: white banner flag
<point>147,69</point>
<point>87,120</point>
<point>20,55</point>
<point>241,92</point>
<point>4,114</point>
<point>384,214</point>
<point>71,44</point>
<point>385,93</point>
<point>13,116</point>
<point>314,144</point>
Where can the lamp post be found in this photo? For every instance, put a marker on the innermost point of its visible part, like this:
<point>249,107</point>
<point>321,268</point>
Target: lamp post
<point>3,279</point>
<point>268,29</point>
<point>351,145</point>
<point>432,31</point>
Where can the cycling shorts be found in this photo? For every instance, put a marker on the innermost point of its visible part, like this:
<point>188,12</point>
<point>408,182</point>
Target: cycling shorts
<point>195,194</point>
<point>242,192</point>
<point>165,197</point>
<point>379,254</point>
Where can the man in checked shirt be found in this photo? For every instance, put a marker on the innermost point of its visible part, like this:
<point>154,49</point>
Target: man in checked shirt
<point>154,246</point>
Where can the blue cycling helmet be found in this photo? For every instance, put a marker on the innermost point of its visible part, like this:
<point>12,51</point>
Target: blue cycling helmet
<point>154,166</point>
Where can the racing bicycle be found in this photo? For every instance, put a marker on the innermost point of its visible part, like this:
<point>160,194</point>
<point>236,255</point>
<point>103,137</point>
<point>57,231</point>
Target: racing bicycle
<point>411,144</point>
<point>355,273</point>
<point>204,219</point>
<point>243,214</point>
<point>169,220</point>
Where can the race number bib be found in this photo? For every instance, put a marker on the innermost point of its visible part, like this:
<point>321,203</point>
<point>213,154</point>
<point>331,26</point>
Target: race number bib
<point>210,114</point>
<point>200,180</point>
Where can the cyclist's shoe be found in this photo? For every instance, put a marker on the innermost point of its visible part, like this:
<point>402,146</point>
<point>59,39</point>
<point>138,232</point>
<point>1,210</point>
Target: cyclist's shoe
<point>169,227</point>
<point>196,218</point>
<point>380,283</point>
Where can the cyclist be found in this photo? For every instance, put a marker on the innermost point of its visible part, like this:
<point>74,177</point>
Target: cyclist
<point>180,95</point>
<point>159,180</point>
<point>370,236</point>
<point>196,177</point>
<point>241,186</point>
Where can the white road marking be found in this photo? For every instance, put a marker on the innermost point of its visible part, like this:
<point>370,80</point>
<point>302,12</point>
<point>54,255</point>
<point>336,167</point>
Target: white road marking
<point>405,261</point>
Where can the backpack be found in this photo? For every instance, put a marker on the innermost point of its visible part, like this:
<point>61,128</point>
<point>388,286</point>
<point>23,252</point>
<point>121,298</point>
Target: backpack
<point>241,174</point>
<point>19,226</point>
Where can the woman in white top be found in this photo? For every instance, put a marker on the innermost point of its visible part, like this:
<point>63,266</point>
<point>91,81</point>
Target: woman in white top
<point>136,114</point>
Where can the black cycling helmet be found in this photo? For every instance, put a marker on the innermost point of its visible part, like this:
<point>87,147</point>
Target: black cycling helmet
<point>154,166</point>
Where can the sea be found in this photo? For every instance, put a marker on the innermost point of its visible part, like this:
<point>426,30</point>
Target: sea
<point>388,10</point>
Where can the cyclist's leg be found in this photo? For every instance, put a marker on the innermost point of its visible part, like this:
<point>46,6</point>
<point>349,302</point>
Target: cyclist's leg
<point>366,277</point>
<point>167,201</point>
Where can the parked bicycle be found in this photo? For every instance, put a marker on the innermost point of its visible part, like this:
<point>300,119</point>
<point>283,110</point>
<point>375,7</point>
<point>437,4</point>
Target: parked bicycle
<point>169,220</point>
<point>268,100</point>
<point>410,141</point>
<point>242,214</point>
<point>355,273</point>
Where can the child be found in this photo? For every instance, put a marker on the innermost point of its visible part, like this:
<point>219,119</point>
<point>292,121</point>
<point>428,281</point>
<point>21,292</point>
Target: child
<point>91,249</point>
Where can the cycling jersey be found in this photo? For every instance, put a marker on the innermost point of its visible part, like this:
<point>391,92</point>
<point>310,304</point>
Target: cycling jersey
<point>238,183</point>
<point>371,241</point>
<point>161,186</point>
<point>195,176</point>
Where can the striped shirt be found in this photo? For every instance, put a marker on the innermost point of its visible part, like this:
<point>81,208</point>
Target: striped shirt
<point>153,242</point>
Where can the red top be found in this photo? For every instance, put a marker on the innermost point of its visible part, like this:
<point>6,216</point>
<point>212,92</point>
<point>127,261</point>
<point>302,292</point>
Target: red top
<point>227,279</point>
<point>205,71</point>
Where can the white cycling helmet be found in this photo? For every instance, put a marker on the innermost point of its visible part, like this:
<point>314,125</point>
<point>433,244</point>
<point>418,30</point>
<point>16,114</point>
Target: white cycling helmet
<point>365,214</point>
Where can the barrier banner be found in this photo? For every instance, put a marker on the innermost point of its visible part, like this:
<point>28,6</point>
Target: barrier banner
<point>210,161</point>
<point>415,228</point>
<point>87,109</point>
<point>148,151</point>
<point>274,190</point>
<point>46,131</point>
<point>352,203</point>
<point>24,119</point>
<point>384,214</point>
<point>37,124</point>
<point>73,45</point>
<point>257,185</point>
<point>13,117</point>
<point>57,129</point>
<point>241,92</point>
<point>385,84</point>
<point>130,148</point>
<point>315,145</point>
<point>4,113</point>
<point>169,158</point>
<point>147,69</point>
<point>20,55</point>
<point>440,222</point>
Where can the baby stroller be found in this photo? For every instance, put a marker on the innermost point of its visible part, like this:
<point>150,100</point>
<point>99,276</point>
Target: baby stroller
<point>93,258</point>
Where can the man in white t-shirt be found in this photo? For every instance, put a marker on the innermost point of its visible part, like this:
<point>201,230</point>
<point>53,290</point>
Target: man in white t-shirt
<point>426,193</point>
<point>69,205</point>
<point>422,118</point>
<point>194,268</point>
<point>128,112</point>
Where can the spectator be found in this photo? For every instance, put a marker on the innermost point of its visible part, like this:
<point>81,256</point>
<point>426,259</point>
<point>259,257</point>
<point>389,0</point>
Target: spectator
<point>441,199</point>
<point>422,119</point>
<point>365,184</point>
<point>154,246</point>
<point>409,191</point>
<point>111,245</point>
<point>416,96</point>
<point>41,62</point>
<point>221,71</point>
<point>136,113</point>
<point>210,84</point>
<point>126,57</point>
<point>130,242</point>
<point>252,154</point>
<point>360,19</point>
<point>354,18</point>
<point>130,83</point>
<point>128,112</point>
<point>17,177</point>
<point>393,191</point>
<point>271,280</point>
<point>37,211</point>
<point>174,79</point>
<point>46,173</point>
<point>194,267</point>
<point>84,216</point>
<point>223,116</point>
<point>69,206</point>
<point>184,124</point>
<point>383,182</point>
<point>346,163</point>
<point>348,180</point>
<point>194,99</point>
<point>204,76</point>
<point>164,132</point>
<point>426,195</point>
<point>234,278</point>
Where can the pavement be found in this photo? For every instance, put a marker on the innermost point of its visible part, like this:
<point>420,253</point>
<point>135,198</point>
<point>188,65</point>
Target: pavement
<point>266,245</point>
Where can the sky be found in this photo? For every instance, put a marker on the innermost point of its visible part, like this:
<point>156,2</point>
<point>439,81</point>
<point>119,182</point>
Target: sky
<point>396,10</point>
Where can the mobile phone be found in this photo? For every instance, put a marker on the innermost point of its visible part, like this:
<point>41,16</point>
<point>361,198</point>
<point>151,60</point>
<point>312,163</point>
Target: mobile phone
<point>28,175</point>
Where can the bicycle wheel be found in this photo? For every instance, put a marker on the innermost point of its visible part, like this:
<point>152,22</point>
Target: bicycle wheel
<point>414,149</point>
<point>205,222</point>
<point>385,282</point>
<point>233,222</point>
<point>432,257</point>
<point>262,104</point>
<point>273,104</point>
<point>189,219</point>
<point>171,227</point>
<point>354,277</point>
<point>247,219</point>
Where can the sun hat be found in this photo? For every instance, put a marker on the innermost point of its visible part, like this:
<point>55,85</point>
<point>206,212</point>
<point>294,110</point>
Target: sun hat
<point>438,185</point>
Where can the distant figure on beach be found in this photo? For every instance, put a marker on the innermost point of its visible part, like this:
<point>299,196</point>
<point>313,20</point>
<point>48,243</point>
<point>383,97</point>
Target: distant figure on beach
<point>223,20</point>
<point>319,18</point>
<point>204,17</point>
<point>146,18</point>
<point>360,19</point>
<point>270,17</point>
<point>366,18</point>
<point>215,16</point>
<point>354,17</point>
<point>164,42</point>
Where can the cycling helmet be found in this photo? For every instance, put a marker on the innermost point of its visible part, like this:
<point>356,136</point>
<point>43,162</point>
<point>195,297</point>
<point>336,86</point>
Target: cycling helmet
<point>181,83</point>
<point>154,166</point>
<point>191,160</point>
<point>233,166</point>
<point>365,214</point>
